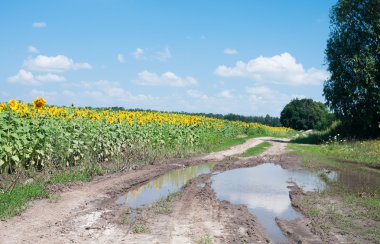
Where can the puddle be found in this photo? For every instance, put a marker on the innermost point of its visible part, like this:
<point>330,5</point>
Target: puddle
<point>263,189</point>
<point>356,178</point>
<point>162,186</point>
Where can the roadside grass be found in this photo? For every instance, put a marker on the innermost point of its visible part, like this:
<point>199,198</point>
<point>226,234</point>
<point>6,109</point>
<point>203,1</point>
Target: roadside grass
<point>70,176</point>
<point>228,143</point>
<point>365,153</point>
<point>256,149</point>
<point>340,208</point>
<point>205,240</point>
<point>15,201</point>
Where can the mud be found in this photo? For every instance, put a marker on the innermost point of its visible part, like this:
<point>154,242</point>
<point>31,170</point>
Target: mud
<point>89,213</point>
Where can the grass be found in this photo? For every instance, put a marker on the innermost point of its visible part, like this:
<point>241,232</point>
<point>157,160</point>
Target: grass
<point>340,208</point>
<point>228,143</point>
<point>14,202</point>
<point>205,240</point>
<point>70,176</point>
<point>256,149</point>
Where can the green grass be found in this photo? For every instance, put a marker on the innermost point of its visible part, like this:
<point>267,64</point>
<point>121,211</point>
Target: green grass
<point>351,208</point>
<point>366,153</point>
<point>205,240</point>
<point>256,149</point>
<point>70,176</point>
<point>228,143</point>
<point>14,202</point>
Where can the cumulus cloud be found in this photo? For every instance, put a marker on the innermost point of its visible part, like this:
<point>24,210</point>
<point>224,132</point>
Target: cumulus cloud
<point>138,53</point>
<point>105,92</point>
<point>32,49</point>
<point>147,54</point>
<point>263,96</point>
<point>39,24</point>
<point>50,77</point>
<point>44,94</point>
<point>59,63</point>
<point>28,78</point>
<point>230,51</point>
<point>225,94</point>
<point>197,94</point>
<point>23,76</point>
<point>164,54</point>
<point>280,69</point>
<point>120,58</point>
<point>168,79</point>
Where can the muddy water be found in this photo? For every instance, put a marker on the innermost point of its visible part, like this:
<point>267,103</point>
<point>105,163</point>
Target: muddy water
<point>162,186</point>
<point>264,190</point>
<point>356,178</point>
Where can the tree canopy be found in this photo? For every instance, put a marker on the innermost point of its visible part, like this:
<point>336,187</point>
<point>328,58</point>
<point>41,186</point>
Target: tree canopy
<point>353,58</point>
<point>305,114</point>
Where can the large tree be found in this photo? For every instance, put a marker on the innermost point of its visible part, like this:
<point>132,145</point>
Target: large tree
<point>353,58</point>
<point>305,114</point>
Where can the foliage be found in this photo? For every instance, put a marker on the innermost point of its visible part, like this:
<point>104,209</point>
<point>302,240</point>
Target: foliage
<point>353,58</point>
<point>14,202</point>
<point>39,136</point>
<point>359,152</point>
<point>305,114</point>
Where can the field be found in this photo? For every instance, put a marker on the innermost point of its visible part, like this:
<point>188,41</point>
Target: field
<point>40,137</point>
<point>48,152</point>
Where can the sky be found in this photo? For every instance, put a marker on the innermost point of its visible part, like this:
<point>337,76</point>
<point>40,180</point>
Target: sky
<point>248,57</point>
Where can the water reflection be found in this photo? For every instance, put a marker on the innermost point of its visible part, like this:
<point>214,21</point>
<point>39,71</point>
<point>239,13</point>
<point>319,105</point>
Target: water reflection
<point>162,186</point>
<point>263,189</point>
<point>356,178</point>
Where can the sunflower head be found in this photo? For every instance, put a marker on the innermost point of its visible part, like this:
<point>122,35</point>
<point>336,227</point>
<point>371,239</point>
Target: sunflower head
<point>38,103</point>
<point>13,104</point>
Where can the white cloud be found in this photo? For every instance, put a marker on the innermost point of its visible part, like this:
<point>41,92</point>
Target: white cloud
<point>120,58</point>
<point>265,97</point>
<point>164,54</point>
<point>44,94</point>
<point>230,51</point>
<point>59,63</point>
<point>27,77</point>
<point>23,77</point>
<point>32,49</point>
<point>138,53</point>
<point>225,94</point>
<point>280,69</point>
<point>39,24</point>
<point>197,94</point>
<point>105,93</point>
<point>168,78</point>
<point>50,77</point>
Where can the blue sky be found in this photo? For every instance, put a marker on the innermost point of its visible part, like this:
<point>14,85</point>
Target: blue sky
<point>241,56</point>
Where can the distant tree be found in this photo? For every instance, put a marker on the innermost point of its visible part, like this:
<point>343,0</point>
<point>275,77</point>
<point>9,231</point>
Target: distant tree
<point>305,114</point>
<point>353,58</point>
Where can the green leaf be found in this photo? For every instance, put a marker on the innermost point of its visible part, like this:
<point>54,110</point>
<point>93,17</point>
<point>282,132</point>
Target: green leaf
<point>15,158</point>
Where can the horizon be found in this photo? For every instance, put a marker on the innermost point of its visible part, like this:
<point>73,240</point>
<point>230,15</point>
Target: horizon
<point>246,58</point>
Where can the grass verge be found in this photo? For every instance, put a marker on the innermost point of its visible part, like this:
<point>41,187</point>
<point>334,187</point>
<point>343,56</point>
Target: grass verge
<point>15,201</point>
<point>256,149</point>
<point>365,153</point>
<point>340,209</point>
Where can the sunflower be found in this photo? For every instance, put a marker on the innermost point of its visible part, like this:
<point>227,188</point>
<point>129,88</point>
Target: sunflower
<point>13,104</point>
<point>38,103</point>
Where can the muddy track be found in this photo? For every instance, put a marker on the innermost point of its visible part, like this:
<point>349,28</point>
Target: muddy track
<point>88,213</point>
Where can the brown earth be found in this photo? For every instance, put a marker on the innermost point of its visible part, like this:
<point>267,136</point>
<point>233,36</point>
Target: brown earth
<point>88,213</point>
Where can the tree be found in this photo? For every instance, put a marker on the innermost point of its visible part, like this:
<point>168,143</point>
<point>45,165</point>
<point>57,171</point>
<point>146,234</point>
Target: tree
<point>305,114</point>
<point>353,58</point>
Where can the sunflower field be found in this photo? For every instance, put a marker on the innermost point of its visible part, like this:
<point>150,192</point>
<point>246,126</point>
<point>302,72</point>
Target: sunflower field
<point>38,136</point>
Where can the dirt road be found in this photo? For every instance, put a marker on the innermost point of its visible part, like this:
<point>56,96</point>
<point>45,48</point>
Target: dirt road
<point>88,213</point>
